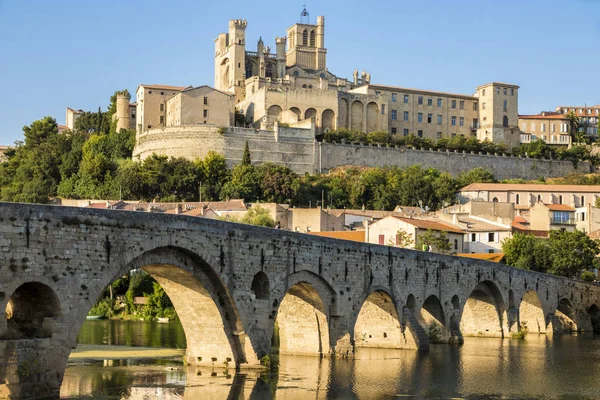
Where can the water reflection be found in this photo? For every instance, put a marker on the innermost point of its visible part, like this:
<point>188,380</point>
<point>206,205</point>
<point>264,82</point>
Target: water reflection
<point>132,333</point>
<point>537,367</point>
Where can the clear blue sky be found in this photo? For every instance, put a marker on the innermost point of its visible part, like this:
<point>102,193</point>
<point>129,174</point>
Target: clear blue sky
<point>76,53</point>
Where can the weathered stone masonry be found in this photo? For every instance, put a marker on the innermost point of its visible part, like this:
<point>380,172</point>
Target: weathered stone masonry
<point>231,282</point>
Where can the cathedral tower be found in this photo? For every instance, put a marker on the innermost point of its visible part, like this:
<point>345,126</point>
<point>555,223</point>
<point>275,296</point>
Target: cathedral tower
<point>230,59</point>
<point>307,44</point>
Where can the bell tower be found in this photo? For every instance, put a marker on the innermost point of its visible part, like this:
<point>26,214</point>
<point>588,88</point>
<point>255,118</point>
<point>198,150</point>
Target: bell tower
<point>307,43</point>
<point>230,59</point>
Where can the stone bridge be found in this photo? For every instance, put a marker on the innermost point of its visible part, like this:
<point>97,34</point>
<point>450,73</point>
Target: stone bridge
<point>230,283</point>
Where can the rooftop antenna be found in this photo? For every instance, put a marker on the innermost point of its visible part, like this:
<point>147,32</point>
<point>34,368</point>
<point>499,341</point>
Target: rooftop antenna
<point>304,16</point>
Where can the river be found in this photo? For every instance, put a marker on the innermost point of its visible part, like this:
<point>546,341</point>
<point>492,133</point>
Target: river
<point>534,368</point>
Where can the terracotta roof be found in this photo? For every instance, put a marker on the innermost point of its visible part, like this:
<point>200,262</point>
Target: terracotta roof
<point>63,127</point>
<point>475,225</point>
<point>425,224</point>
<point>551,116</point>
<point>356,236</point>
<point>493,257</point>
<point>529,187</point>
<point>559,207</point>
<point>595,234</point>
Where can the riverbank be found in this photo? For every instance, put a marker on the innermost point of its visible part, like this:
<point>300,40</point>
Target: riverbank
<point>105,352</point>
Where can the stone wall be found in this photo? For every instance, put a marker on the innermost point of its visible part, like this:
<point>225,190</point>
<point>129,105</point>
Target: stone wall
<point>332,155</point>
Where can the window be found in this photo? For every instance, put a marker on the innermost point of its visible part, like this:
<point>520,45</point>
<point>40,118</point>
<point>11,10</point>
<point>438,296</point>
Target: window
<point>162,107</point>
<point>582,217</point>
<point>462,104</point>
<point>543,127</point>
<point>305,38</point>
<point>439,135</point>
<point>381,239</point>
<point>495,200</point>
<point>206,101</point>
<point>455,244</point>
<point>461,121</point>
<point>539,197</point>
<point>312,38</point>
<point>149,91</point>
<point>518,198</point>
<point>162,93</point>
<point>505,91</point>
<point>420,100</point>
<point>394,97</point>
<point>439,102</point>
<point>483,105</point>
<point>497,90</point>
<point>483,92</point>
<point>420,117</point>
<point>393,131</point>
<point>162,119</point>
<point>512,91</point>
<point>383,109</point>
<point>205,113</point>
<point>420,133</point>
<point>453,121</point>
<point>453,103</point>
<point>582,201</point>
<point>505,121</point>
<point>132,115</point>
<point>439,119</point>
<point>394,115</point>
<point>553,128</point>
<point>491,237</point>
<point>429,118</point>
<point>405,99</point>
<point>453,134</point>
<point>505,105</point>
<point>475,105</point>
<point>560,199</point>
<point>473,237</point>
<point>405,132</point>
<point>429,102</point>
<point>406,115</point>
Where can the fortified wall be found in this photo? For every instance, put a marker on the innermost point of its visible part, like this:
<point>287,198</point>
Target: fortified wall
<point>296,148</point>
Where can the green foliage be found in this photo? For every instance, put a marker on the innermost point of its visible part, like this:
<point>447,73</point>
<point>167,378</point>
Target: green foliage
<point>403,240</point>
<point>258,215</point>
<point>265,361</point>
<point>437,240</point>
<point>246,161</point>
<point>213,174</point>
<point>222,130</point>
<point>563,253</point>
<point>104,308</point>
<point>434,332</point>
<point>588,276</point>
<point>521,332</point>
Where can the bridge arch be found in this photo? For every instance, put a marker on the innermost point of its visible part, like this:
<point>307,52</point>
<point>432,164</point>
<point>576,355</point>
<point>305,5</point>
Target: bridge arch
<point>531,313</point>
<point>594,313</point>
<point>31,312</point>
<point>378,323</point>
<point>484,311</point>
<point>433,320</point>
<point>303,304</point>
<point>564,319</point>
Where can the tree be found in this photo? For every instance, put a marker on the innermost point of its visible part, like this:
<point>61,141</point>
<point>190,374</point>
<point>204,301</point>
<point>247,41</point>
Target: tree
<point>572,252</point>
<point>246,156</point>
<point>403,240</point>
<point>276,183</point>
<point>258,215</point>
<point>213,173</point>
<point>476,175</point>
<point>437,240</point>
<point>574,124</point>
<point>526,251</point>
<point>112,107</point>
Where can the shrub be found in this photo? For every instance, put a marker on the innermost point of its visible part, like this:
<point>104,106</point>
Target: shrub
<point>588,276</point>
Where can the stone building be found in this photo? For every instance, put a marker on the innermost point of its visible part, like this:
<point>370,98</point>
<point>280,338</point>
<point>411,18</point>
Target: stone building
<point>551,127</point>
<point>588,117</point>
<point>151,105</point>
<point>200,105</point>
<point>71,117</point>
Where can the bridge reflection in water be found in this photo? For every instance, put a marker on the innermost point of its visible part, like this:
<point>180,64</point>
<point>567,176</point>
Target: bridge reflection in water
<point>536,367</point>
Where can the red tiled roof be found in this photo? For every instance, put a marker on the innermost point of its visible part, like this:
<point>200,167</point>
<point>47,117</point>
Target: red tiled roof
<point>424,224</point>
<point>494,257</point>
<point>552,116</point>
<point>166,87</point>
<point>595,234</point>
<point>532,187</point>
<point>559,207</point>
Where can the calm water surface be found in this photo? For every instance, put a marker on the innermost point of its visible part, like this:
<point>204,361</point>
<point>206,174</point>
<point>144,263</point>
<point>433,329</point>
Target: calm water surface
<point>566,367</point>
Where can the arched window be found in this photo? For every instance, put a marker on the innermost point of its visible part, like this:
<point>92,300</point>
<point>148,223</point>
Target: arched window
<point>505,121</point>
<point>296,73</point>
<point>269,71</point>
<point>495,199</point>
<point>312,38</point>
<point>249,69</point>
<point>517,199</point>
<point>305,38</point>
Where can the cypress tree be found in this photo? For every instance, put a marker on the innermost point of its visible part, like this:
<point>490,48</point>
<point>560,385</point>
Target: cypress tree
<point>246,157</point>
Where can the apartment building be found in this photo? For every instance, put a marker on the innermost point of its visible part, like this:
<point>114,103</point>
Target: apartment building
<point>551,127</point>
<point>588,117</point>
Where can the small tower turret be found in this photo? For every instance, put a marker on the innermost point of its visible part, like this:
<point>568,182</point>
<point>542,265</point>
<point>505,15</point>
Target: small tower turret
<point>230,55</point>
<point>321,32</point>
<point>280,54</point>
<point>122,114</point>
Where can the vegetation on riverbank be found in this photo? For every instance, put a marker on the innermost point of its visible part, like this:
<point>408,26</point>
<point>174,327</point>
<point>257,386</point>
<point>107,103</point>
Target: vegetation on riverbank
<point>119,299</point>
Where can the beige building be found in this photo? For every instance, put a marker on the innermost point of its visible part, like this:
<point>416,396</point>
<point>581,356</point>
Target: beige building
<point>307,220</point>
<point>71,117</point>
<point>384,232</point>
<point>498,113</point>
<point>588,117</point>
<point>151,111</point>
<point>551,127</point>
<point>547,217</point>
<point>200,105</point>
<point>524,196</point>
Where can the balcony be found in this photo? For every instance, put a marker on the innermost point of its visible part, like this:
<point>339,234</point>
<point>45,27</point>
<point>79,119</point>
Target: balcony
<point>563,221</point>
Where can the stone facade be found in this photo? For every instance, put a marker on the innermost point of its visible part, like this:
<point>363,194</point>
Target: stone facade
<point>552,128</point>
<point>201,105</point>
<point>231,282</point>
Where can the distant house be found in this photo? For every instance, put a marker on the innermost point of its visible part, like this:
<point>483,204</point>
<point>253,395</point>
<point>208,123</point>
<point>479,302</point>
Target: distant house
<point>385,231</point>
<point>548,217</point>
